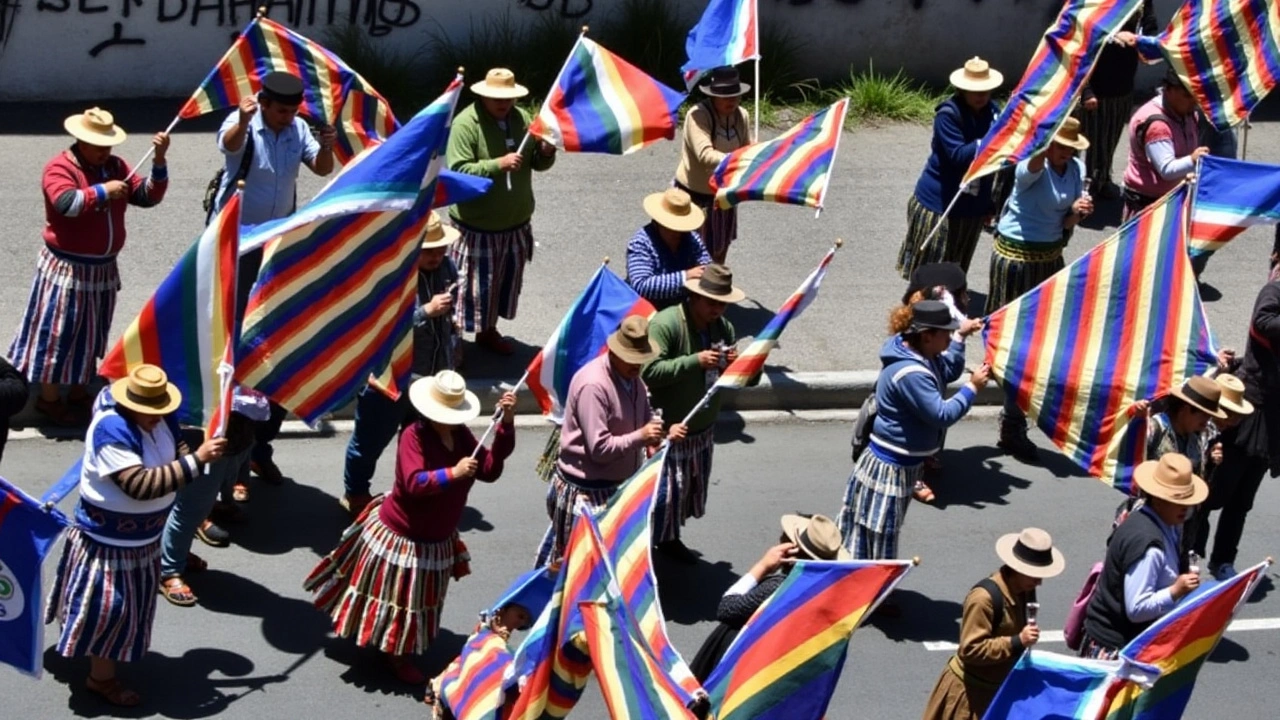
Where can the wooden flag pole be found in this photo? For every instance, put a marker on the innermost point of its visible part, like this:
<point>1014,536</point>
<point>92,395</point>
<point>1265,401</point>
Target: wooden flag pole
<point>756,87</point>
<point>1244,139</point>
<point>554,83</point>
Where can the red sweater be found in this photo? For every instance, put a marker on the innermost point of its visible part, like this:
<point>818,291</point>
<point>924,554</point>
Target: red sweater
<point>79,219</point>
<point>427,501</point>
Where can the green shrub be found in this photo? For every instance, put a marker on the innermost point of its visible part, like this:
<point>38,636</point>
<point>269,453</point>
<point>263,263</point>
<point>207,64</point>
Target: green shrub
<point>396,75</point>
<point>875,96</point>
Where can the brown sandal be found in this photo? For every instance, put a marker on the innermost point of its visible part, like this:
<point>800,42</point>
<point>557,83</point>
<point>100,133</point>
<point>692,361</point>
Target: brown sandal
<point>177,592</point>
<point>922,492</point>
<point>113,692</point>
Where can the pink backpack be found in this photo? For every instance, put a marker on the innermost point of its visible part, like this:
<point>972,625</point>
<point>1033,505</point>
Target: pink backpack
<point>1073,631</point>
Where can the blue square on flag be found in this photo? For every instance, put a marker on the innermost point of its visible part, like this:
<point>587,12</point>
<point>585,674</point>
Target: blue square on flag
<point>26,534</point>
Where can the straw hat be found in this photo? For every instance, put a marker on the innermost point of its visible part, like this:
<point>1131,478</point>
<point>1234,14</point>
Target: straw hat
<point>1170,478</point>
<point>444,398</point>
<point>1202,394</point>
<point>96,127</point>
<point>500,84</point>
<point>1232,397</point>
<point>1031,552</point>
<point>1069,135</point>
<point>631,341</point>
<point>437,234</point>
<point>976,76</point>
<point>716,283</point>
<point>816,536</point>
<point>672,208</point>
<point>146,390</point>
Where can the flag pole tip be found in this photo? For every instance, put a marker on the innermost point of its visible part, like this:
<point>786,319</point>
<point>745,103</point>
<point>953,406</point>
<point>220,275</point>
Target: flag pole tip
<point>462,70</point>
<point>915,560</point>
<point>584,29</point>
<point>239,184</point>
<point>262,11</point>
<point>606,259</point>
<point>839,242</point>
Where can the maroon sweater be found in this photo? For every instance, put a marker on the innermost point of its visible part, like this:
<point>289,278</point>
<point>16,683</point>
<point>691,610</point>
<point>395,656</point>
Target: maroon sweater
<point>79,219</point>
<point>427,501</point>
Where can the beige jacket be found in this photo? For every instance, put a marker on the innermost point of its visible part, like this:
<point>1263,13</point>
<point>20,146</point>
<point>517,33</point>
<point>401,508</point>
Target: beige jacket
<point>704,149</point>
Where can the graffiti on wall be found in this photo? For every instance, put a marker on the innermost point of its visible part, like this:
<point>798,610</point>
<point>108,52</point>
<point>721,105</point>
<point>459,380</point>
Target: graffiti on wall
<point>568,9</point>
<point>8,11</point>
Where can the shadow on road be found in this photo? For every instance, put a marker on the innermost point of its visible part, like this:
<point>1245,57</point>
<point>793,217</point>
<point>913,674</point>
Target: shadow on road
<point>1265,586</point>
<point>367,668</point>
<point>690,594</point>
<point>473,519</point>
<point>732,428</point>
<point>293,515</point>
<point>289,625</point>
<point>1106,214</point>
<point>479,362</point>
<point>748,317</point>
<point>1228,651</point>
<point>923,619</point>
<point>971,477</point>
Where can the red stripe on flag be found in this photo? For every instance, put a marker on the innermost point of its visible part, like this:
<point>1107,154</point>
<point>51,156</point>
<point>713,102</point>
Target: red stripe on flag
<point>1075,367</point>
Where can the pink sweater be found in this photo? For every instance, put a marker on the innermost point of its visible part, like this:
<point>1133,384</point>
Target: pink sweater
<point>600,443</point>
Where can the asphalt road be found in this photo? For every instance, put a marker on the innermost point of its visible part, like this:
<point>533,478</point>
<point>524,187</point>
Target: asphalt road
<point>588,207</point>
<point>255,648</point>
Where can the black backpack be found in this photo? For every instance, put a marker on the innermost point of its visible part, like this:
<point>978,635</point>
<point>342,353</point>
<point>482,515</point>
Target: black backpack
<point>862,426</point>
<point>211,191</point>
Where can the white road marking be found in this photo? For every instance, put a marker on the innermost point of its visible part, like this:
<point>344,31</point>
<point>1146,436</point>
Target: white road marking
<point>1055,636</point>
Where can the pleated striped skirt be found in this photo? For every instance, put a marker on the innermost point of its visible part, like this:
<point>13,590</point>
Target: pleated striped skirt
<point>561,498</point>
<point>1104,126</point>
<point>384,590</point>
<point>1017,268</point>
<point>490,274</point>
<point>955,242</point>
<point>682,492</point>
<point>65,328</point>
<point>875,506</point>
<point>720,228</point>
<point>105,598</point>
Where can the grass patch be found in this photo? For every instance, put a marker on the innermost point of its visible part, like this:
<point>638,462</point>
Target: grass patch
<point>397,75</point>
<point>658,49</point>
<point>878,97</point>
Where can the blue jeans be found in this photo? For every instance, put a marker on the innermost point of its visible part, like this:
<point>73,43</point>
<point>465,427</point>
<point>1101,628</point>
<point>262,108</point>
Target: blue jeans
<point>192,508</point>
<point>378,419</point>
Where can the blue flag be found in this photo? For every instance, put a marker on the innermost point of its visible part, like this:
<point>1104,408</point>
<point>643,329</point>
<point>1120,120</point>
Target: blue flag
<point>27,532</point>
<point>1049,686</point>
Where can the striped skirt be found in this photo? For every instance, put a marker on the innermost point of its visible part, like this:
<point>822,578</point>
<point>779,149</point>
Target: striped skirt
<point>955,242</point>
<point>561,497</point>
<point>64,329</point>
<point>490,274</point>
<point>105,598</point>
<point>720,228</point>
<point>1104,127</point>
<point>682,493</point>
<point>383,590</point>
<point>875,506</point>
<point>1016,270</point>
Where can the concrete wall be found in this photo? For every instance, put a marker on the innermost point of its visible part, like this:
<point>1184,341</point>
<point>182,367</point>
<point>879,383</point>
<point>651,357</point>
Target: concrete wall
<point>95,49</point>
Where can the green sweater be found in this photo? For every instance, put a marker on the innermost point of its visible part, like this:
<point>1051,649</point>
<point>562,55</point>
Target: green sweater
<point>675,380</point>
<point>475,144</point>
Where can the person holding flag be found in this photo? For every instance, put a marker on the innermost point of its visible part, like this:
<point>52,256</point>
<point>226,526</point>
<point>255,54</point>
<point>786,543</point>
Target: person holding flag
<point>1164,145</point>
<point>667,252</point>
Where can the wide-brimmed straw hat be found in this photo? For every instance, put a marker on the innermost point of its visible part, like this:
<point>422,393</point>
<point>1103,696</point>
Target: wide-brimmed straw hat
<point>1170,478</point>
<point>437,234</point>
<point>716,283</point>
<point>500,84</point>
<point>1232,398</point>
<point>1069,135</point>
<point>931,315</point>
<point>1202,394</point>
<point>816,536</point>
<point>631,341</point>
<point>444,398</point>
<point>977,75</point>
<point>674,209</point>
<point>96,127</point>
<point>146,390</point>
<point>724,82</point>
<point>1031,552</point>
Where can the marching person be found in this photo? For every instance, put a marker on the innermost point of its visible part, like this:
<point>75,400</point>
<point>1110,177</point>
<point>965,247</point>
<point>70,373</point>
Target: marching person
<point>265,144</point>
<point>608,428</point>
<point>995,626</point>
<point>1048,201</point>
<point>1236,409</point>
<point>13,397</point>
<point>1181,426</point>
<point>695,343</point>
<point>384,585</point>
<point>1145,573</point>
<point>377,417</point>
<point>959,124</point>
<point>105,589</point>
<point>63,333</point>
<point>1164,145</point>
<point>497,239</point>
<point>668,252</point>
<point>712,129</point>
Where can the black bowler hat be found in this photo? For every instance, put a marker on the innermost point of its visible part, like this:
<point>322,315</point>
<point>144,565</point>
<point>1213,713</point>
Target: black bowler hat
<point>948,275</point>
<point>931,315</point>
<point>724,82</point>
<point>282,87</point>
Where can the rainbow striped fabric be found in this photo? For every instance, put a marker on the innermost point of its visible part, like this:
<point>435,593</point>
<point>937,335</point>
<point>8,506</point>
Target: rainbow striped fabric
<point>785,663</point>
<point>332,93</point>
<point>1122,323</point>
<point>1230,197</point>
<point>471,687</point>
<point>604,104</point>
<point>581,336</point>
<point>751,361</point>
<point>1225,52</point>
<point>188,326</point>
<point>336,291</point>
<point>634,685</point>
<point>793,168</point>
<point>728,33</point>
<point>1053,80</point>
<point>1043,684</point>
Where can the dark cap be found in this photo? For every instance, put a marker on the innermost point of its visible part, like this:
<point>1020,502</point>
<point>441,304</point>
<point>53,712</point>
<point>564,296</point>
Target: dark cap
<point>948,275</point>
<point>1171,80</point>
<point>282,87</point>
<point>931,315</point>
<point>724,82</point>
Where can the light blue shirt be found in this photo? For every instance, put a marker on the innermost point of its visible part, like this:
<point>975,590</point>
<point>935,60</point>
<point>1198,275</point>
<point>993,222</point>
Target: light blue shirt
<point>1147,584</point>
<point>270,188</point>
<point>1040,202</point>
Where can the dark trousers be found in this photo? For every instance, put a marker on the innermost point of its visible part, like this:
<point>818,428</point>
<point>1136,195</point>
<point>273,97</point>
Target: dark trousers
<point>1235,484</point>
<point>264,433</point>
<point>4,432</point>
<point>378,419</point>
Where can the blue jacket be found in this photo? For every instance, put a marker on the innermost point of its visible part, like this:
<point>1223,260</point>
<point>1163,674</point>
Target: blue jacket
<point>912,412</point>
<point>956,132</point>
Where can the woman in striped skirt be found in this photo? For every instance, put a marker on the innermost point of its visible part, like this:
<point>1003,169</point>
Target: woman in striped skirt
<point>107,580</point>
<point>64,330</point>
<point>712,129</point>
<point>912,416</point>
<point>960,123</point>
<point>384,585</point>
<point>1048,201</point>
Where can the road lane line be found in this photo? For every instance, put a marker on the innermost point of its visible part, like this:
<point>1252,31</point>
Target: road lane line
<point>1056,636</point>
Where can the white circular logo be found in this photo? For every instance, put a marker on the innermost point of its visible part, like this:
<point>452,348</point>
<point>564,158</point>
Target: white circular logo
<point>12,602</point>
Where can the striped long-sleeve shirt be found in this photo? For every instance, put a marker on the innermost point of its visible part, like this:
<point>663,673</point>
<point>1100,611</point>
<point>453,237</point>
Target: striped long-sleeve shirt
<point>79,218</point>
<point>657,273</point>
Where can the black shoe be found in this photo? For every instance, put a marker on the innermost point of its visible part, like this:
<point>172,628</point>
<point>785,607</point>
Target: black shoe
<point>267,471</point>
<point>1018,446</point>
<point>679,552</point>
<point>210,534</point>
